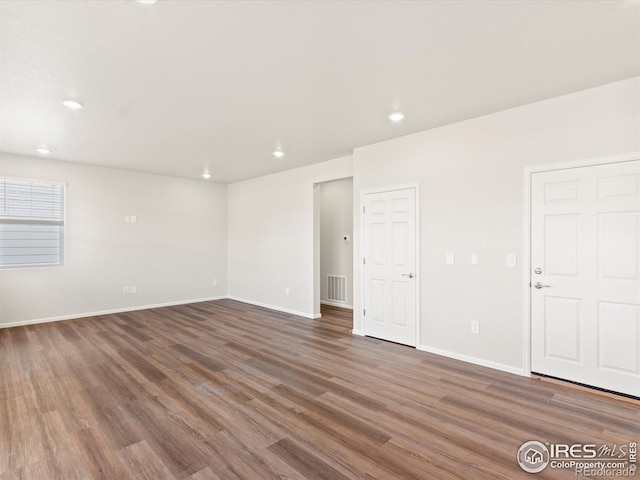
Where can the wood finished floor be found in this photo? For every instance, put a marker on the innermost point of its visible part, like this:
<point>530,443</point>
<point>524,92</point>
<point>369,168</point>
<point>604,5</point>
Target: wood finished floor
<point>224,390</point>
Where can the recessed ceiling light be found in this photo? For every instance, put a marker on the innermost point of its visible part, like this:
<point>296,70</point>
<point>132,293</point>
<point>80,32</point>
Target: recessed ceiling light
<point>278,154</point>
<point>43,151</point>
<point>396,116</point>
<point>206,175</point>
<point>72,103</point>
<point>147,2</point>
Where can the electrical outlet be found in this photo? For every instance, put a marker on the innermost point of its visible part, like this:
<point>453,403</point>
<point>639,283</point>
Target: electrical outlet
<point>475,327</point>
<point>451,259</point>
<point>214,282</point>
<point>474,259</point>
<point>286,291</point>
<point>126,289</point>
<point>134,290</point>
<point>134,219</point>
<point>127,219</point>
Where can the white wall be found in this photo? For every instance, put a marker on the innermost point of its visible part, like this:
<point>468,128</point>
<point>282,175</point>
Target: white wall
<point>471,201</point>
<point>471,187</point>
<point>271,236</point>
<point>336,221</point>
<point>172,254</point>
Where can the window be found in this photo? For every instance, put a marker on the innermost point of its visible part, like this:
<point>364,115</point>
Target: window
<point>31,224</point>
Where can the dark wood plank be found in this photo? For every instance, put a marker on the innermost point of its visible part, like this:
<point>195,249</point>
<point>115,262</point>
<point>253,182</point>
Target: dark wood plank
<point>225,390</point>
<point>143,463</point>
<point>305,462</point>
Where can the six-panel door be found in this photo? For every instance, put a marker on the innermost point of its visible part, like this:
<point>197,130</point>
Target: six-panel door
<point>390,268</point>
<point>585,302</point>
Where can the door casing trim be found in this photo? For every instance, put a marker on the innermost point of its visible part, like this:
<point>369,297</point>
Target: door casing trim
<point>526,248</point>
<point>391,188</point>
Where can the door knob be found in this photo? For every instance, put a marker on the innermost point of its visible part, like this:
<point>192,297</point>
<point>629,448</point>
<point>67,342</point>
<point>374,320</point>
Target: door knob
<point>539,285</point>
<point>410,275</point>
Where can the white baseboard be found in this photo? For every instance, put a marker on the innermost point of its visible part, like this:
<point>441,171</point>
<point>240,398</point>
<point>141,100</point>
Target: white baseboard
<point>476,361</point>
<point>336,304</point>
<point>273,307</point>
<point>425,348</point>
<point>107,312</point>
<point>157,305</point>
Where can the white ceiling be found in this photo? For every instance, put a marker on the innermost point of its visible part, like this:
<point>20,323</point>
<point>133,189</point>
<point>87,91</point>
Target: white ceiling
<point>182,86</point>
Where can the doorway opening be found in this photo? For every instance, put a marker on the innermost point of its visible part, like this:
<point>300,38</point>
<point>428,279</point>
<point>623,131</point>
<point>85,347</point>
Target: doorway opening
<point>333,248</point>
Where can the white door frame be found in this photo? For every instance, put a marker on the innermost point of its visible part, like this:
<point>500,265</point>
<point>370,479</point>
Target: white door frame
<point>391,188</point>
<point>526,269</point>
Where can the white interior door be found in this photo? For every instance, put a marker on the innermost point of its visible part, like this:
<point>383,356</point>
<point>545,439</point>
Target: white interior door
<point>390,266</point>
<point>585,275</point>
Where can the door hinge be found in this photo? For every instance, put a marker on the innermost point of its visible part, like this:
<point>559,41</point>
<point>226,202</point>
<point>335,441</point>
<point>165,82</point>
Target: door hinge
<point>363,209</point>
<point>364,261</point>
<point>364,312</point>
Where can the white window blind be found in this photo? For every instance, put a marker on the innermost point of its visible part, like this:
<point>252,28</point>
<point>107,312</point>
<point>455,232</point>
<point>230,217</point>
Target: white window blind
<point>31,224</point>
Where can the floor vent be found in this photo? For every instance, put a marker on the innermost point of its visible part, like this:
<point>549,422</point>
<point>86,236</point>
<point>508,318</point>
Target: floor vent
<point>337,288</point>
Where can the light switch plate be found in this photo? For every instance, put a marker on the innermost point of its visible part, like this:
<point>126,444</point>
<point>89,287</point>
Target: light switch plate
<point>511,260</point>
<point>134,219</point>
<point>451,259</point>
<point>474,259</point>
